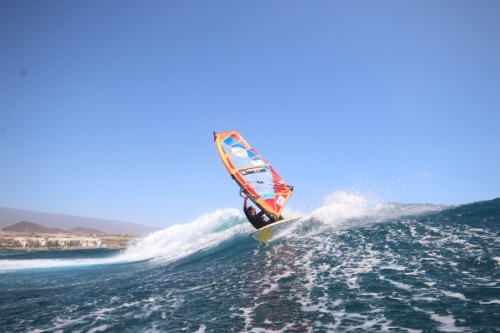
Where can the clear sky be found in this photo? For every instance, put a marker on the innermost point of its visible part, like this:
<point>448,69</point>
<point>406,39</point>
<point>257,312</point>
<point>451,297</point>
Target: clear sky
<point>107,108</point>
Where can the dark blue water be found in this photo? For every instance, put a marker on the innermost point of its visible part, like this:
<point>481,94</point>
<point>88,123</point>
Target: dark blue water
<point>388,268</point>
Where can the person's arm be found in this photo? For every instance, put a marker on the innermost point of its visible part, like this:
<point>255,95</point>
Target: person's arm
<point>245,204</point>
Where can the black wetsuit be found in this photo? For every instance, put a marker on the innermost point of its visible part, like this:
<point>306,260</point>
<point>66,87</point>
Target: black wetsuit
<point>257,220</point>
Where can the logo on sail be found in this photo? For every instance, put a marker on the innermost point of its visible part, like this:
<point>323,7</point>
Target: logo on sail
<point>252,170</point>
<point>241,152</point>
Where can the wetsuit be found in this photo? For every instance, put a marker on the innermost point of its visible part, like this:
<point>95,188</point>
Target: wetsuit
<point>257,220</point>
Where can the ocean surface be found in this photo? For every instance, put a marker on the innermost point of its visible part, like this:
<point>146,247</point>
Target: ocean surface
<point>349,266</point>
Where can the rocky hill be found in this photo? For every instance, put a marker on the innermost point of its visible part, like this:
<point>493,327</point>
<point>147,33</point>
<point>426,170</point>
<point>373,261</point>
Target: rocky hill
<point>29,227</point>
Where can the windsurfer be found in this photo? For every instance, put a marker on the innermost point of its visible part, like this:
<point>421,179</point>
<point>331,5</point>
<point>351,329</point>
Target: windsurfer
<point>257,219</point>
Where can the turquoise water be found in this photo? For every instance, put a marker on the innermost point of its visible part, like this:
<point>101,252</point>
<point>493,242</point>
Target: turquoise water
<point>385,268</point>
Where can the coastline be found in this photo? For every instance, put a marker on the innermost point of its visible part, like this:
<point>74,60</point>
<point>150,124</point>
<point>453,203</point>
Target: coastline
<point>23,241</point>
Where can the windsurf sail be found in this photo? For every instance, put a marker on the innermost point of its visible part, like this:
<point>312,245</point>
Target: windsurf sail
<point>256,177</point>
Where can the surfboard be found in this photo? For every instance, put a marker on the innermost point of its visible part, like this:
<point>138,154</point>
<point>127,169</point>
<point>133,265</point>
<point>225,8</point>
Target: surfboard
<point>269,231</point>
<point>256,177</point>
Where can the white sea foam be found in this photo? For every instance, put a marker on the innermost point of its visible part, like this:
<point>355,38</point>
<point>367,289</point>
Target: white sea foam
<point>10,265</point>
<point>101,328</point>
<point>495,301</point>
<point>202,329</point>
<point>397,284</point>
<point>497,259</point>
<point>181,240</point>
<point>447,322</point>
<point>455,295</point>
<point>340,206</point>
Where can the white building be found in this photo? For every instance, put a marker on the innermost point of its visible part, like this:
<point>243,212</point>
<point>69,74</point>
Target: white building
<point>20,241</point>
<point>57,242</point>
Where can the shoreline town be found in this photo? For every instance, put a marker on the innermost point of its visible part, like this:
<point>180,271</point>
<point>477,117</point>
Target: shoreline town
<point>22,241</point>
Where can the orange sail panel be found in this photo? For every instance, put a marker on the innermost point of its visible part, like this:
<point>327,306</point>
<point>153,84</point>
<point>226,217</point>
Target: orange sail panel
<point>255,176</point>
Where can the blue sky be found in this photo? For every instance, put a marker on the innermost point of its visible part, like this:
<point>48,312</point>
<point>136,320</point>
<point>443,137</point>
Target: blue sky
<point>107,108</point>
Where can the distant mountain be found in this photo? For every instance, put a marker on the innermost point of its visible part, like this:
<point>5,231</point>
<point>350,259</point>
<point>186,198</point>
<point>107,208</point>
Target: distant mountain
<point>25,226</point>
<point>10,216</point>
<point>85,231</point>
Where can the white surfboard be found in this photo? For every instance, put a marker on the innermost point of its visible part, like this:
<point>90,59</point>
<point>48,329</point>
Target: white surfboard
<point>269,231</point>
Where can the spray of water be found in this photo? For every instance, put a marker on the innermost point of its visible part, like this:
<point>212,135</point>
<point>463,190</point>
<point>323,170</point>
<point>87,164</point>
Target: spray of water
<point>180,240</point>
<point>340,207</point>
